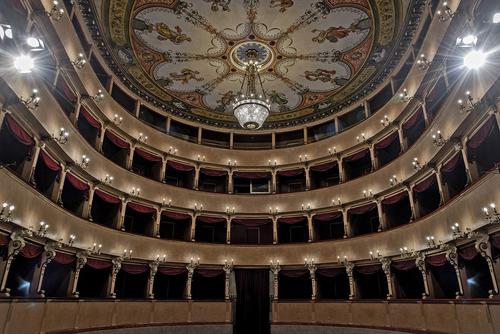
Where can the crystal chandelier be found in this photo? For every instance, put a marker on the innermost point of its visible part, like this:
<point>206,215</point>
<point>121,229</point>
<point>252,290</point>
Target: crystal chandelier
<point>251,109</point>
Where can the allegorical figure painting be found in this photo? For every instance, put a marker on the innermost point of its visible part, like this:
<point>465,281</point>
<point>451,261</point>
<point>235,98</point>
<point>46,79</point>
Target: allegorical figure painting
<point>334,34</point>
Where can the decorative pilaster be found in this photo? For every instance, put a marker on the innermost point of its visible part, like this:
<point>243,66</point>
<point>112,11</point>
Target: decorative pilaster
<point>196,177</point>
<point>402,142</point>
<point>193,226</point>
<point>275,270</point>
<point>228,269</point>
<point>308,177</point>
<point>467,165</point>
<point>47,257</point>
<point>228,229</point>
<point>230,181</point>
<point>311,266</point>
<point>373,158</point>
<point>153,269</point>
<point>156,227</point>
<point>275,229</point>
<point>411,198</point>
<point>483,246</point>
<point>163,168</point>
<point>452,257</point>
<point>130,157</point>
<point>381,218</point>
<point>347,227</point>
<point>123,209</point>
<point>420,263</point>
<point>87,207</point>
<point>62,179</point>
<point>191,267</point>
<point>100,139</point>
<point>81,261</point>
<point>341,170</point>
<point>34,161</point>
<point>273,180</point>
<point>440,186</point>
<point>117,265</point>
<point>16,243</point>
<point>349,268</point>
<point>386,268</point>
<point>310,228</point>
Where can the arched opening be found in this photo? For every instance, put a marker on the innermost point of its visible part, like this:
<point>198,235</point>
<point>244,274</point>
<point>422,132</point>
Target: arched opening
<point>364,219</point>
<point>294,285</point>
<point>328,226</point>
<point>289,181</point>
<point>210,229</point>
<point>247,231</point>
<point>292,229</point>
<point>357,165</point>
<point>333,283</point>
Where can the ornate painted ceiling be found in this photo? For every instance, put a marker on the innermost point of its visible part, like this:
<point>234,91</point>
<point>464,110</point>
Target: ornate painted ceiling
<point>188,57</point>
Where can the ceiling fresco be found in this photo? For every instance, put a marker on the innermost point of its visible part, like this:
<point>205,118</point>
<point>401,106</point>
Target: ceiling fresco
<point>188,57</point>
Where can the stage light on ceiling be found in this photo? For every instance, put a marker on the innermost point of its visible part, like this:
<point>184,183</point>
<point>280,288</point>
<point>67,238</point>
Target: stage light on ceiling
<point>466,41</point>
<point>475,59</point>
<point>5,32</point>
<point>24,64</point>
<point>496,18</point>
<point>35,44</point>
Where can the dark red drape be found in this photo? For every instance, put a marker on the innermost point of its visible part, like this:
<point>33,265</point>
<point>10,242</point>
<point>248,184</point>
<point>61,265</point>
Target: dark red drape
<point>211,219</point>
<point>387,141</point>
<point>31,251</point>
<point>118,141</point>
<point>495,241</point>
<point>357,156</point>
<point>452,163</point>
<point>4,240</point>
<point>98,264</point>
<point>175,215</point>
<point>395,198</point>
<point>93,122</point>
<point>324,167</point>
<point>294,273</point>
<point>76,182</point>
<point>369,270</point>
<point>480,136</point>
<point>252,175</point>
<point>49,162</point>
<point>291,172</point>
<point>361,210</point>
<point>404,265</point>
<point>330,272</point>
<point>63,258</point>
<point>468,253</point>
<point>291,220</point>
<point>21,135</point>
<point>134,269</point>
<point>213,172</point>
<point>147,155</point>
<point>140,208</point>
<point>63,87</point>
<point>209,273</point>
<point>108,198</point>
<point>169,271</point>
<point>180,167</point>
<point>413,120</point>
<point>251,222</point>
<point>327,216</point>
<point>437,260</point>
<point>425,184</point>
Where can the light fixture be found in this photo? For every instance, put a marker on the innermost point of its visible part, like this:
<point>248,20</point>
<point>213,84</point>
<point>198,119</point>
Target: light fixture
<point>142,138</point>
<point>274,211</point>
<point>496,18</point>
<point>71,240</point>
<point>332,150</point>
<point>423,63</point>
<point>445,14</point>
<point>135,191</point>
<point>127,254</point>
<point>80,61</point>
<point>230,211</point>
<point>403,96</point>
<point>42,229</point>
<point>62,137</point>
<point>198,207</point>
<point>430,241</point>
<point>162,259</point>
<point>55,12</point>
<point>201,157</point>
<point>468,104</point>
<point>6,211</point>
<point>336,201</point>
<point>35,44</point>
<point>306,207</point>
<point>372,256</point>
<point>95,248</point>
<point>385,121</point>
<point>367,193</point>
<point>492,217</point>
<point>361,138</point>
<point>108,179</point>
<point>6,32</point>
<point>416,164</point>
<point>405,253</point>
<point>172,150</point>
<point>475,59</point>
<point>117,119</point>
<point>24,63</point>
<point>457,232</point>
<point>84,162</point>
<point>99,96</point>
<point>342,261</point>
<point>393,180</point>
<point>302,158</point>
<point>466,41</point>
<point>33,101</point>
<point>272,163</point>
<point>231,163</point>
<point>164,202</point>
<point>193,263</point>
<point>250,108</point>
<point>438,140</point>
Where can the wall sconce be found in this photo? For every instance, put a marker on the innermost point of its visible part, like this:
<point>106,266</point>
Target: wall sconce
<point>231,163</point>
<point>117,119</point>
<point>162,259</point>
<point>142,138</point>
<point>336,202</point>
<point>342,261</point>
<point>309,264</point>
<point>198,207</point>
<point>445,14</point>
<point>332,150</point>
<point>42,230</point>
<point>273,211</point>
<point>393,180</point>
<point>230,211</point>
<point>273,163</point>
<point>405,253</point>
<point>135,191</point>
<point>127,254</point>
<point>367,193</point>
<point>201,158</point>
<point>55,12</point>
<point>457,233</point>
<point>80,61</point>
<point>172,150</point>
<point>373,258</point>
<point>228,264</point>
<point>275,265</point>
<point>99,96</point>
<point>108,179</point>
<point>33,101</point>
<point>193,263</point>
<point>494,216</point>
<point>361,138</point>
<point>404,97</point>
<point>71,240</point>
<point>416,164</point>
<point>95,248</point>
<point>430,241</point>
<point>168,203</point>
<point>438,140</point>
<point>84,162</point>
<point>468,104</point>
<point>385,121</point>
<point>303,158</point>
<point>6,211</point>
<point>306,207</point>
<point>62,137</point>
<point>423,63</point>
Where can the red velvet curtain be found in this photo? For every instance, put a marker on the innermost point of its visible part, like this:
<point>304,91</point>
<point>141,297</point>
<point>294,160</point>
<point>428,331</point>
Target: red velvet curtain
<point>21,135</point>
<point>63,87</point>
<point>291,172</point>
<point>324,167</point>
<point>395,198</point>
<point>291,220</point>
<point>404,265</point>
<point>452,163</point>
<point>294,273</point>
<point>76,182</point>
<point>213,172</point>
<point>495,241</point>
<point>468,253</point>
<point>99,264</point>
<point>140,208</point>
<point>328,216</point>
<point>330,272</point>
<point>387,141</point>
<point>63,258</point>
<point>31,251</point>
<point>147,155</point>
<point>134,269</point>
<point>361,210</point>
<point>175,215</point>
<point>4,240</point>
<point>251,222</point>
<point>108,198</point>
<point>169,271</point>
<point>209,273</point>
<point>180,167</point>
<point>413,119</point>
<point>252,175</point>
<point>90,118</point>
<point>436,260</point>
<point>425,184</point>
<point>480,136</point>
<point>118,141</point>
<point>211,220</point>
<point>357,156</point>
<point>49,162</point>
<point>369,270</point>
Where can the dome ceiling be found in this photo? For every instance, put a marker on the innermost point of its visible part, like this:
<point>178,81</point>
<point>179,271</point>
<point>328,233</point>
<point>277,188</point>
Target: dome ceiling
<point>188,57</point>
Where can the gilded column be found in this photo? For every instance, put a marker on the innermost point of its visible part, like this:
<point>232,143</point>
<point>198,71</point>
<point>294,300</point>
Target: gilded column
<point>311,266</point>
<point>117,265</point>
<point>190,268</point>
<point>349,268</point>
<point>81,261</point>
<point>47,257</point>
<point>310,227</point>
<point>275,269</point>
<point>16,243</point>
<point>275,229</point>
<point>153,269</point>
<point>386,267</point>
<point>420,263</point>
<point>452,257</point>
<point>483,246</point>
<point>228,269</point>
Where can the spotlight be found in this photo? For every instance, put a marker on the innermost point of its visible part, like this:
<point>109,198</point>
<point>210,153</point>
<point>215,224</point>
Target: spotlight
<point>33,101</point>
<point>142,138</point>
<point>445,14</point>
<point>55,13</point>
<point>467,41</point>
<point>117,119</point>
<point>496,18</point>
<point>24,63</point>
<point>80,61</point>
<point>423,63</point>
<point>5,32</point>
<point>84,163</point>
<point>474,59</point>
<point>61,137</point>
<point>35,44</point>
<point>99,96</point>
